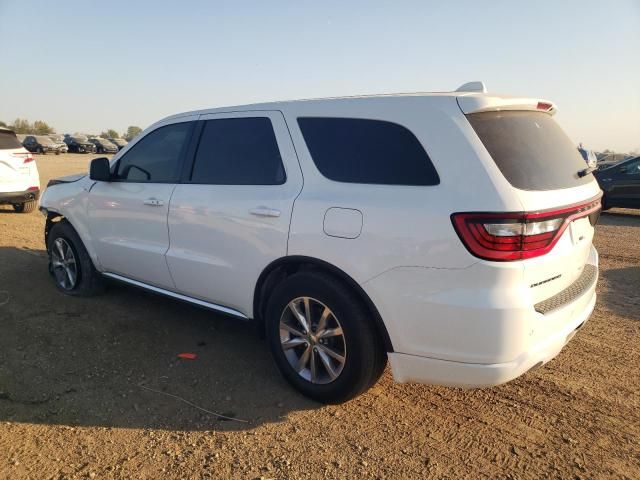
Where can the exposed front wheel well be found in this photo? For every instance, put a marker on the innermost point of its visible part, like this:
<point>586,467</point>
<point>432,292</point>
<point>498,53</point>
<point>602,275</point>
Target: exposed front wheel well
<point>52,219</point>
<point>283,268</point>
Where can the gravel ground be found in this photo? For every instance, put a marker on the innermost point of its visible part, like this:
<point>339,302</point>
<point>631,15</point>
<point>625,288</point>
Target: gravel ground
<point>72,403</point>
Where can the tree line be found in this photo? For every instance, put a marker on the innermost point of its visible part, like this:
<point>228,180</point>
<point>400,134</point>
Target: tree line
<point>39,127</point>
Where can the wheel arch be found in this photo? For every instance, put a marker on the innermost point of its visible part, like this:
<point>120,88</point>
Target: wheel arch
<point>53,217</point>
<point>281,268</point>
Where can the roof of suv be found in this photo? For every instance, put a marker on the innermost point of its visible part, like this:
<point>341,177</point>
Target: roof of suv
<point>472,97</point>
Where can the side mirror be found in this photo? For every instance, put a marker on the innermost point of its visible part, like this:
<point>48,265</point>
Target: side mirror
<point>99,169</point>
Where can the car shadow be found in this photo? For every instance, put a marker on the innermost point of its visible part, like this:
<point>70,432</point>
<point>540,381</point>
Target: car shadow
<point>112,360</point>
<point>621,292</point>
<point>4,209</point>
<point>620,218</point>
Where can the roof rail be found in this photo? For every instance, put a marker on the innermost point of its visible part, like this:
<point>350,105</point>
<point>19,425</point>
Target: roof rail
<point>473,87</point>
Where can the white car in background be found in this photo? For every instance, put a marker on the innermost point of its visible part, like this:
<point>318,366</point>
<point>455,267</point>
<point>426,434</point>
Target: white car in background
<point>19,179</point>
<point>450,233</point>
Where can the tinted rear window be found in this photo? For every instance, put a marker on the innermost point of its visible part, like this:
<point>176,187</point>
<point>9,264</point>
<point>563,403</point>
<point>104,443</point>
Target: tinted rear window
<point>8,140</point>
<point>530,149</point>
<point>356,150</point>
<point>238,151</point>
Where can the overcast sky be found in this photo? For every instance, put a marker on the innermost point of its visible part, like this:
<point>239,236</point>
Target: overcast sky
<point>88,66</point>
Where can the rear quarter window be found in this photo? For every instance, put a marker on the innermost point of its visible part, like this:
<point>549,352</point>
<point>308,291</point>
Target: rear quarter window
<point>530,149</point>
<point>354,150</point>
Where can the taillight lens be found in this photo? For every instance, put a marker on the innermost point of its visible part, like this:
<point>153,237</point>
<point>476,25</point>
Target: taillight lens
<point>516,236</point>
<point>27,157</point>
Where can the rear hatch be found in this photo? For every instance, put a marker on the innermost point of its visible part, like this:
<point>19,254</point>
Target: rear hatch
<point>15,164</point>
<point>560,198</point>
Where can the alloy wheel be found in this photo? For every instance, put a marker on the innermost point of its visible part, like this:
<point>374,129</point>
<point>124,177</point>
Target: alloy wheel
<point>63,263</point>
<point>312,340</point>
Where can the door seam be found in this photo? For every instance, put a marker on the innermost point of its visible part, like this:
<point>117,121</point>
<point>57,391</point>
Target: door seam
<point>169,237</point>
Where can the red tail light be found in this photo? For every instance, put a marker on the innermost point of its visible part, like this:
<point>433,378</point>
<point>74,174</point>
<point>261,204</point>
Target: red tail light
<point>506,237</point>
<point>26,156</point>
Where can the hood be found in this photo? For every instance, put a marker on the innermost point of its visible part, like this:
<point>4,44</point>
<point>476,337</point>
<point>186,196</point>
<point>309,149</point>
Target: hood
<point>66,179</point>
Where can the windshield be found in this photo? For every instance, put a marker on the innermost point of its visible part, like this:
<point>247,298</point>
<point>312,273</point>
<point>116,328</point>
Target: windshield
<point>80,138</point>
<point>119,141</point>
<point>530,149</point>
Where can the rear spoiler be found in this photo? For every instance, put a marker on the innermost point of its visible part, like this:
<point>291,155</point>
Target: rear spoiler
<point>474,103</point>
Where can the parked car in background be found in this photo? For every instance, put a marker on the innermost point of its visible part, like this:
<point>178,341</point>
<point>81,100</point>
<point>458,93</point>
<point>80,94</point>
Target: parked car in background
<point>19,179</point>
<point>79,143</point>
<point>383,251</point>
<point>620,183</point>
<point>59,141</point>
<point>610,157</point>
<point>119,142</point>
<point>40,144</point>
<point>21,137</point>
<point>103,145</point>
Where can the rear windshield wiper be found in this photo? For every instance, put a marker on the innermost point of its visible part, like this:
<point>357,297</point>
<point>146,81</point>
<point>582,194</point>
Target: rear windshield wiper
<point>586,171</point>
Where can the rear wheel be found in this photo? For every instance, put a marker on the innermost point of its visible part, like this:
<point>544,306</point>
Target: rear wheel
<point>26,207</point>
<point>322,339</point>
<point>69,262</point>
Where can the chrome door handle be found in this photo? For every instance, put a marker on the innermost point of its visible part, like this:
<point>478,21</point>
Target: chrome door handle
<point>154,202</point>
<point>265,212</point>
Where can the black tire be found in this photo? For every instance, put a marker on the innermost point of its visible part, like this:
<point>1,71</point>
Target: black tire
<point>365,356</point>
<point>88,280</point>
<point>26,207</point>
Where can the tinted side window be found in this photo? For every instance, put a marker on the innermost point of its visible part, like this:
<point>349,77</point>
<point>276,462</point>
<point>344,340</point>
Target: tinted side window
<point>367,151</point>
<point>238,151</point>
<point>632,168</point>
<point>156,157</point>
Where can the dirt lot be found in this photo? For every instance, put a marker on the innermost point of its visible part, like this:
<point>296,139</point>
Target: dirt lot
<point>71,405</point>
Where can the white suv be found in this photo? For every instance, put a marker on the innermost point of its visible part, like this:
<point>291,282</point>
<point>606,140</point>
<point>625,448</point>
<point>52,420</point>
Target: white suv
<point>19,179</point>
<point>450,233</point>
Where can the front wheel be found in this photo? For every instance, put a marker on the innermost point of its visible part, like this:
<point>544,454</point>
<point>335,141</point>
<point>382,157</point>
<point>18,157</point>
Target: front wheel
<point>70,264</point>
<point>322,339</point>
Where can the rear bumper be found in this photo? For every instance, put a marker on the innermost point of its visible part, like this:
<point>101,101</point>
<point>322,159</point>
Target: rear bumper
<point>19,197</point>
<point>412,368</point>
<point>465,328</point>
